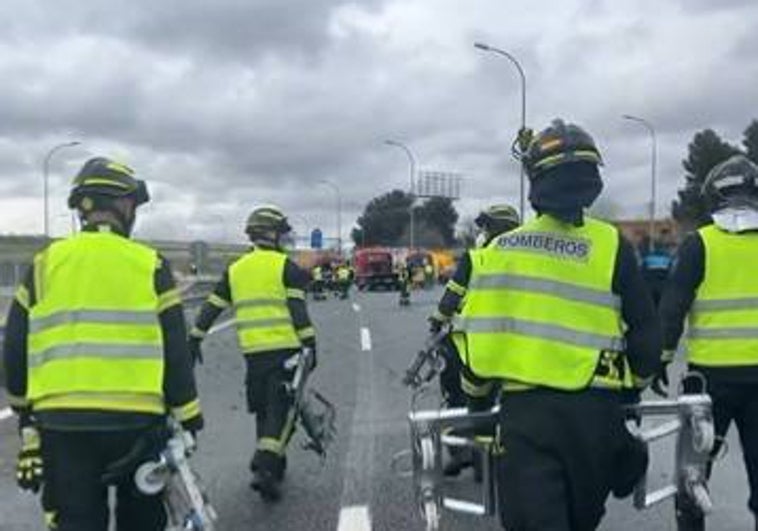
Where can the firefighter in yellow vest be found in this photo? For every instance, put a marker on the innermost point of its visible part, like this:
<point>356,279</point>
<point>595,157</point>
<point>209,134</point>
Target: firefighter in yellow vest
<point>266,291</point>
<point>317,283</point>
<point>96,357</point>
<point>343,280</point>
<point>557,312</point>
<point>713,283</point>
<point>492,221</point>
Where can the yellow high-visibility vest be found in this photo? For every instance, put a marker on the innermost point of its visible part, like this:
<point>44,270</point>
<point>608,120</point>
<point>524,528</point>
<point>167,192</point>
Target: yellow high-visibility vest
<point>260,302</point>
<point>343,273</point>
<point>95,341</point>
<point>540,308</point>
<point>723,320</point>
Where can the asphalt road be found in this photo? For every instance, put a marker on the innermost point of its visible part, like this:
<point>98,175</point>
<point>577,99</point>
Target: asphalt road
<point>364,345</point>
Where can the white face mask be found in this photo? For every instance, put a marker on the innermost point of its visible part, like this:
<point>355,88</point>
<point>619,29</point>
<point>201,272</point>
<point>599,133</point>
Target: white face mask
<point>733,219</point>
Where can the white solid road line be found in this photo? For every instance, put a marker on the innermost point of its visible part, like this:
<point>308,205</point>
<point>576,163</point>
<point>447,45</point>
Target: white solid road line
<point>365,339</point>
<point>355,518</point>
<point>5,413</point>
<point>356,307</point>
<point>221,326</point>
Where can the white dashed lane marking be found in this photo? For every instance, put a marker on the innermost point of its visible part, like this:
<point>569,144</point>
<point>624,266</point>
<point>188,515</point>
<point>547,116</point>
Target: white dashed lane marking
<point>5,413</point>
<point>365,339</point>
<point>355,518</point>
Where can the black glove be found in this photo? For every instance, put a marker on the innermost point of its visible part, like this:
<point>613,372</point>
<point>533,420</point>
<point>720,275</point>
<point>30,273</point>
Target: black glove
<point>193,426</point>
<point>29,465</point>
<point>314,358</point>
<point>631,397</point>
<point>661,382</point>
<point>435,324</point>
<point>196,352</point>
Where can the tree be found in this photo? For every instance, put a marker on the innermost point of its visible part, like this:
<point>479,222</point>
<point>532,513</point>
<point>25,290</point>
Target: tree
<point>750,141</point>
<point>706,150</point>
<point>383,220</point>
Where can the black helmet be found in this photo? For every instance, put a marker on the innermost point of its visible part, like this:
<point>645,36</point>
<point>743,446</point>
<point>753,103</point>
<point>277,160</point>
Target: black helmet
<point>103,177</point>
<point>265,220</point>
<point>498,219</point>
<point>733,183</point>
<point>559,144</point>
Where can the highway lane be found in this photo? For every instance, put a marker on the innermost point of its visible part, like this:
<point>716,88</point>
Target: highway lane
<point>364,345</point>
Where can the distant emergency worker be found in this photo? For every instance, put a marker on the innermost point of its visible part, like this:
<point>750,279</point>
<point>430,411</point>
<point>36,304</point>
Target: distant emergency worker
<point>267,293</point>
<point>655,270</point>
<point>317,283</point>
<point>343,280</point>
<point>557,312</point>
<point>428,273</point>
<point>96,357</point>
<point>404,279</point>
<point>492,222</point>
<point>713,283</point>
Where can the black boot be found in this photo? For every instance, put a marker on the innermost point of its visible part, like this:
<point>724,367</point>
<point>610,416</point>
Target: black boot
<point>688,517</point>
<point>266,485</point>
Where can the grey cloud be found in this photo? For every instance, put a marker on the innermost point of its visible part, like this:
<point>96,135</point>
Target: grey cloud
<point>707,6</point>
<point>236,30</point>
<point>224,105</point>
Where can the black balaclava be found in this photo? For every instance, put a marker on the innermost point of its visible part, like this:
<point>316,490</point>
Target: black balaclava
<point>566,190</point>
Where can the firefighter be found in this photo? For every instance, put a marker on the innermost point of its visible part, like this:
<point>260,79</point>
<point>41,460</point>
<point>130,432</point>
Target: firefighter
<point>656,264</point>
<point>428,273</point>
<point>96,357</point>
<point>343,280</point>
<point>404,280</point>
<point>713,284</point>
<point>267,293</point>
<point>317,283</point>
<point>557,312</point>
<point>493,221</point>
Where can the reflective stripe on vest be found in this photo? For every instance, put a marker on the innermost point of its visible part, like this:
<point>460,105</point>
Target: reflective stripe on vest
<point>540,308</point>
<point>259,296</point>
<point>723,323</point>
<point>95,341</point>
<point>550,287</point>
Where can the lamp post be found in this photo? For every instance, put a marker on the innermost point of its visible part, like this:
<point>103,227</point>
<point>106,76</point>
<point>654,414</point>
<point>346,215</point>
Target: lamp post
<point>46,180</point>
<point>512,59</point>
<point>336,189</point>
<point>412,175</point>
<point>653,158</point>
<point>303,222</point>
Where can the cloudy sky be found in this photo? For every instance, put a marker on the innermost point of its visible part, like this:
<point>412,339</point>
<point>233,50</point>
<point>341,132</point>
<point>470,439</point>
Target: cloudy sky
<point>221,105</point>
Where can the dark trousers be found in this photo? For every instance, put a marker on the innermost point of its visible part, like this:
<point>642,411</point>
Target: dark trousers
<point>738,403</point>
<point>560,451</point>
<point>268,399</point>
<point>450,377</point>
<point>75,492</point>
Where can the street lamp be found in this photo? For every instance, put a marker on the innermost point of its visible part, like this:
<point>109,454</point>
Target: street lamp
<point>303,222</point>
<point>653,157</point>
<point>412,161</point>
<point>336,189</point>
<point>512,59</point>
<point>46,179</point>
